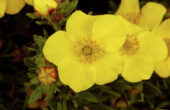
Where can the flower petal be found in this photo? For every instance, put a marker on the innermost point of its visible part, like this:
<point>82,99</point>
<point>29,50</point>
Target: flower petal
<point>152,15</point>
<point>137,67</point>
<point>110,32</point>
<point>14,6</point>
<point>164,28</point>
<point>107,68</point>
<point>154,45</point>
<point>128,6</point>
<point>30,2</point>
<point>79,25</point>
<point>2,7</point>
<point>43,6</point>
<point>163,68</point>
<point>57,47</point>
<point>77,75</point>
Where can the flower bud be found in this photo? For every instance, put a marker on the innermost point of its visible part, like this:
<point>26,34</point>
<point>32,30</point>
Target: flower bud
<point>45,7</point>
<point>47,75</point>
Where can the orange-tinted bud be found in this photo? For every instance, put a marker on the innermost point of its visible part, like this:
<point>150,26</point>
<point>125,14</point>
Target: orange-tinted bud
<point>17,56</point>
<point>133,91</point>
<point>47,75</point>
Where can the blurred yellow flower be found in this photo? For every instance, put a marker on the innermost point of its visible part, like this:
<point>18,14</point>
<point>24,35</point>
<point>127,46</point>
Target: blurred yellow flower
<point>87,53</point>
<point>29,2</point>
<point>10,6</point>
<point>47,75</point>
<point>163,68</point>
<point>43,7</point>
<point>149,17</point>
<point>140,52</point>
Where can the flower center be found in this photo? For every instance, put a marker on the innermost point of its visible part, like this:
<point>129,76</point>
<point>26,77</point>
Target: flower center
<point>88,51</point>
<point>130,47</point>
<point>167,41</point>
<point>133,17</point>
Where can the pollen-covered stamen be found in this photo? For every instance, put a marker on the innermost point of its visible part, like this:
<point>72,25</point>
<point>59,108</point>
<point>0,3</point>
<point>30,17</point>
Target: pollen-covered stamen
<point>167,41</point>
<point>88,51</point>
<point>133,17</point>
<point>130,47</point>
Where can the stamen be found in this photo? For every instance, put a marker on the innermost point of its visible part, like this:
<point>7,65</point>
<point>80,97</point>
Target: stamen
<point>130,47</point>
<point>88,51</point>
<point>133,17</point>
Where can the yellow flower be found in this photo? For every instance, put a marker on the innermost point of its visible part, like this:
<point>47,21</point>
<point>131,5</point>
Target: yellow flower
<point>43,7</point>
<point>140,52</point>
<point>87,53</point>
<point>47,75</point>
<point>163,68</point>
<point>149,17</point>
<point>10,6</point>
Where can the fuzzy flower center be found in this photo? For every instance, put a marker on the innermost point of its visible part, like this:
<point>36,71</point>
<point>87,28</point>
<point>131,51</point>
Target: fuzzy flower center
<point>133,17</point>
<point>167,41</point>
<point>130,47</point>
<point>88,50</point>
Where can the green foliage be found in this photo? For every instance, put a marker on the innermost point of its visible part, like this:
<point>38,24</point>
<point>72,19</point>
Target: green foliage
<point>35,95</point>
<point>85,95</point>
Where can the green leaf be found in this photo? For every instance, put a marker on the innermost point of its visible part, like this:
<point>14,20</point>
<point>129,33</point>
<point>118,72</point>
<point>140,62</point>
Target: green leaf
<point>35,95</point>
<point>40,61</point>
<point>64,104</point>
<point>45,109</point>
<point>52,104</point>
<point>30,49</point>
<point>39,43</point>
<point>34,80</point>
<point>59,106</point>
<point>110,91</point>
<point>100,106</point>
<point>32,15</point>
<point>87,96</point>
<point>150,89</point>
<point>163,104</point>
<point>45,33</point>
<point>39,40</point>
<point>40,22</point>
